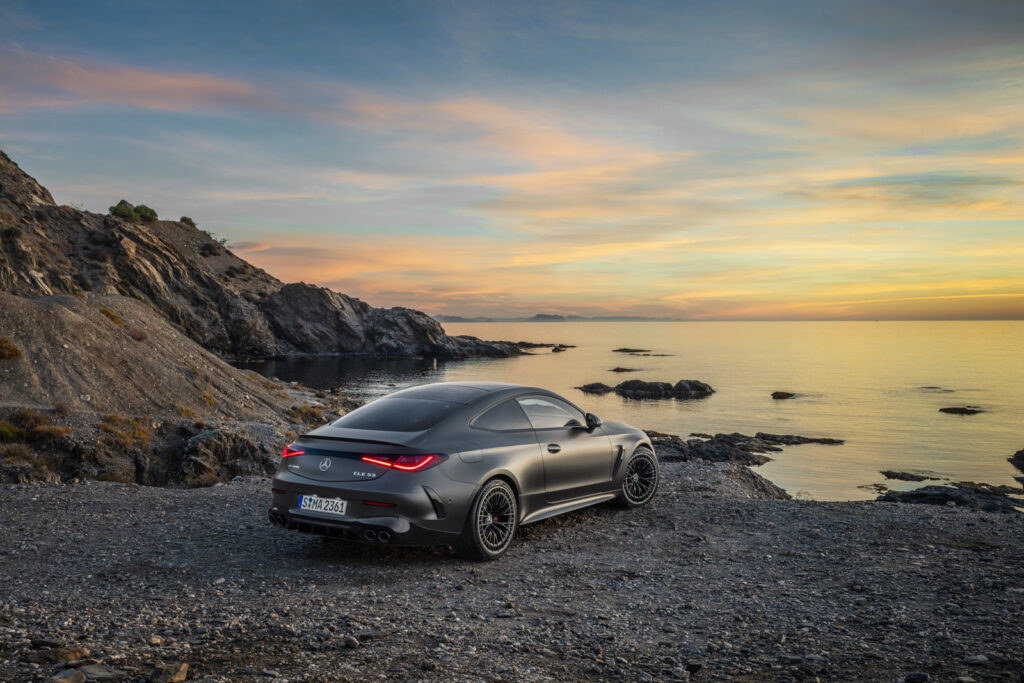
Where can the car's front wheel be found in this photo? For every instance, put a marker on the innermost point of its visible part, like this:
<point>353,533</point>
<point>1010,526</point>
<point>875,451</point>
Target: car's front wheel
<point>640,479</point>
<point>491,523</point>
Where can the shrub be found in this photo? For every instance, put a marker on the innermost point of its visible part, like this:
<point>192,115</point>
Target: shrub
<point>10,433</point>
<point>209,400</point>
<point>124,210</point>
<point>8,350</point>
<point>12,233</point>
<point>61,409</point>
<point>145,214</point>
<point>187,221</point>
<point>113,316</point>
<point>209,249</point>
<point>125,432</point>
<point>184,411</point>
<point>305,414</point>
<point>34,426</point>
<point>137,334</point>
<point>16,452</point>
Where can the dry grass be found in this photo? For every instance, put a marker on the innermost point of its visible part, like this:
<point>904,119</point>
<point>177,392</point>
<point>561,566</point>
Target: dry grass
<point>8,351</point>
<point>305,414</point>
<point>209,400</point>
<point>114,317</point>
<point>125,431</point>
<point>9,433</point>
<point>30,426</point>
<point>19,453</point>
<point>184,411</point>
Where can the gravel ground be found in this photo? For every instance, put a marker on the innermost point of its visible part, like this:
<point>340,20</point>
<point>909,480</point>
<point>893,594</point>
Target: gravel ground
<point>714,580</point>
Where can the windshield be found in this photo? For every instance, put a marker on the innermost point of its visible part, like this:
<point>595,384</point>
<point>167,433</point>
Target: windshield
<point>397,415</point>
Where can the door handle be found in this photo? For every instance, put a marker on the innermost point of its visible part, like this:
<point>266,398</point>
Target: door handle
<point>554,448</point>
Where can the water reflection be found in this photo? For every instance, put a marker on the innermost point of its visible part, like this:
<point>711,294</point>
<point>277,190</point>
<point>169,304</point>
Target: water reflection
<point>362,376</point>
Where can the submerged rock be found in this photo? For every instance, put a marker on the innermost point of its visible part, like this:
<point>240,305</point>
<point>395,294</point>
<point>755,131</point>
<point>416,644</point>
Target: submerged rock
<point>962,410</point>
<point>904,476</point>
<point>783,395</point>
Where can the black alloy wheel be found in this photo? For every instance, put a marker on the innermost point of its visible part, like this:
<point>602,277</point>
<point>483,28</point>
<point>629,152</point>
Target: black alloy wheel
<point>640,480</point>
<point>491,523</point>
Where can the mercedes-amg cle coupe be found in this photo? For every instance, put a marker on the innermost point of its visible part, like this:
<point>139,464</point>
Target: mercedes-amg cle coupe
<point>458,463</point>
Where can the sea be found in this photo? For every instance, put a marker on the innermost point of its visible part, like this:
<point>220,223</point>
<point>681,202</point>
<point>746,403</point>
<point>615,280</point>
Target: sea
<point>876,385</point>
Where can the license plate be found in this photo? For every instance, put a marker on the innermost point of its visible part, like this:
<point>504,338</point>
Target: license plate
<point>329,506</point>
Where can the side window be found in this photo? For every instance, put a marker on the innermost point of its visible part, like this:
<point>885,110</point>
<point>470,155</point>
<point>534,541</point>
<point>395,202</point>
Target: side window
<point>548,412</point>
<point>504,417</point>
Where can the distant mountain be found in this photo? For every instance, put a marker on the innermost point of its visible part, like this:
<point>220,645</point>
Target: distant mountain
<point>555,317</point>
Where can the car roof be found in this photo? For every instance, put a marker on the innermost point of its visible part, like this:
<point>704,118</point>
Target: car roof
<point>464,392</point>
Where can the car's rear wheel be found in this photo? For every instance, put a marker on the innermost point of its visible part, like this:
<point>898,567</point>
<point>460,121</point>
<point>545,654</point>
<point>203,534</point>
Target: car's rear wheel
<point>640,478</point>
<point>491,523</point>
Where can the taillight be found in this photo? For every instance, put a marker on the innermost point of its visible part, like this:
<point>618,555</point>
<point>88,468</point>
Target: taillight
<point>412,463</point>
<point>406,463</point>
<point>291,450</point>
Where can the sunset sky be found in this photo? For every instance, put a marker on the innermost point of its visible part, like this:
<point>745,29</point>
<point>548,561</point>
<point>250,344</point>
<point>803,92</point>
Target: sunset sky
<point>699,160</point>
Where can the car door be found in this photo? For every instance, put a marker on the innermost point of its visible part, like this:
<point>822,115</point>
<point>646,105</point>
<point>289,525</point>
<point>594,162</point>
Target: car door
<point>577,463</point>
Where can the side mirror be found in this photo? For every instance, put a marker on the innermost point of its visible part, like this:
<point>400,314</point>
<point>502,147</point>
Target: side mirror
<point>593,422</point>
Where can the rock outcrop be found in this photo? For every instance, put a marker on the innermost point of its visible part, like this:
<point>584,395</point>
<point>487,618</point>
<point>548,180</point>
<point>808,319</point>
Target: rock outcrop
<point>640,390</point>
<point>227,305</point>
<point>958,497</point>
<point>737,448</point>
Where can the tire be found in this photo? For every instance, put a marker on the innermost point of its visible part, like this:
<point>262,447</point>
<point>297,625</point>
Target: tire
<point>640,479</point>
<point>491,524</point>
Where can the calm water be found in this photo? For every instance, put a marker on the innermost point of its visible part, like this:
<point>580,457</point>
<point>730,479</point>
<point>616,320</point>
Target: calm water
<point>860,381</point>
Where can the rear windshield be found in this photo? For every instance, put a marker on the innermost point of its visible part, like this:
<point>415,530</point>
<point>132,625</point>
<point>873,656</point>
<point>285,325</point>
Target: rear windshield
<point>397,415</point>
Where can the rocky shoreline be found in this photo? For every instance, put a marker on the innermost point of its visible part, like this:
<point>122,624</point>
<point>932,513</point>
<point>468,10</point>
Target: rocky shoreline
<point>718,579</point>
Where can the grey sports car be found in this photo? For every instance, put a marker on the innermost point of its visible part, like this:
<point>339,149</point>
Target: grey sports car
<point>458,463</point>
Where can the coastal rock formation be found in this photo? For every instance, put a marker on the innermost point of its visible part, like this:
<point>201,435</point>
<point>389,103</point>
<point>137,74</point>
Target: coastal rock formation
<point>217,299</point>
<point>962,410</point>
<point>904,476</point>
<point>736,448</point>
<point>641,390</point>
<point>1017,460</point>
<point>960,497</point>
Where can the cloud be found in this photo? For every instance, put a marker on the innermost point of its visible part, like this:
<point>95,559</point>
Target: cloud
<point>34,81</point>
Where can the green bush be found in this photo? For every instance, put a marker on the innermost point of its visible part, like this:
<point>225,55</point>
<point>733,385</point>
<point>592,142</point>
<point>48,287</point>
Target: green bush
<point>124,210</point>
<point>187,221</point>
<point>145,214</point>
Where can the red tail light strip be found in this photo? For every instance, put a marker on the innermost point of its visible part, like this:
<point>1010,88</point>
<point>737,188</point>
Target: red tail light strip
<point>291,450</point>
<point>406,463</point>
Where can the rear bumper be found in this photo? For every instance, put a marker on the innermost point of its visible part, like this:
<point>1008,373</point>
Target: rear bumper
<point>421,512</point>
<point>389,530</point>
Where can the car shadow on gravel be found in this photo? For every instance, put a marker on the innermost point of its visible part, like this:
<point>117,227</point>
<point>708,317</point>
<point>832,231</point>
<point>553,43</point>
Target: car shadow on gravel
<point>323,552</point>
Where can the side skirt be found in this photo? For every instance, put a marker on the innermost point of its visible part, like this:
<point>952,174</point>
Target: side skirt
<point>544,513</point>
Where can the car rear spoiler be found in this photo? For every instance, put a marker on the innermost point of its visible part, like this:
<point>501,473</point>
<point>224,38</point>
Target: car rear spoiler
<point>329,433</point>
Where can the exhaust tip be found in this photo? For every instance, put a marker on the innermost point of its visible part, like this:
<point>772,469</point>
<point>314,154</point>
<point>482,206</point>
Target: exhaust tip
<point>370,535</point>
<point>383,536</point>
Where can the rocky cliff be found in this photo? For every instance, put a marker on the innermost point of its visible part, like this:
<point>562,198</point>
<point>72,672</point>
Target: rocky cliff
<point>219,300</point>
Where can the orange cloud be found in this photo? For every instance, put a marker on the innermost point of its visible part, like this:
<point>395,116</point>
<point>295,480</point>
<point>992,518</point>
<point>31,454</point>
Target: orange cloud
<point>36,81</point>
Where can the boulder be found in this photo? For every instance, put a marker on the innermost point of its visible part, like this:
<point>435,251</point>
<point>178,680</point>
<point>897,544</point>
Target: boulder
<point>782,395</point>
